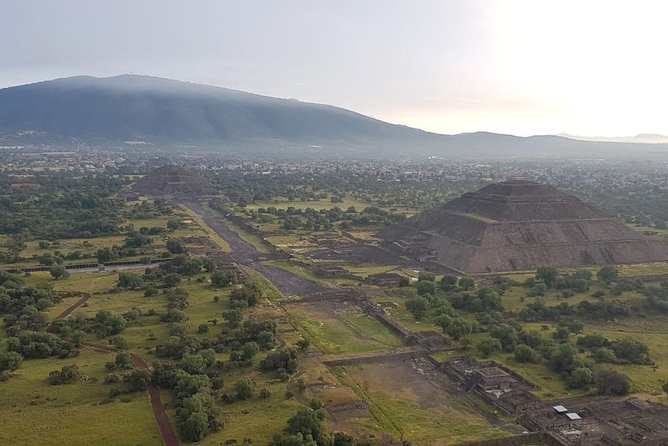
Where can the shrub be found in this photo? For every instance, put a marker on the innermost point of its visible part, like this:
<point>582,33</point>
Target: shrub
<point>244,388</point>
<point>610,382</point>
<point>69,374</point>
<point>580,378</point>
<point>488,346</point>
<point>466,283</point>
<point>417,306</point>
<point>524,353</point>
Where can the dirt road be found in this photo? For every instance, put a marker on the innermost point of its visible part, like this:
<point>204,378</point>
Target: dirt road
<point>245,254</point>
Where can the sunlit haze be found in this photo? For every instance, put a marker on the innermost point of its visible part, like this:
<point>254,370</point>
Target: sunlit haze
<point>521,67</point>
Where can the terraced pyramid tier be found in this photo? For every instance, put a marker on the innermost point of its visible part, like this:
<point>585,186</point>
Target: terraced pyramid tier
<point>517,226</point>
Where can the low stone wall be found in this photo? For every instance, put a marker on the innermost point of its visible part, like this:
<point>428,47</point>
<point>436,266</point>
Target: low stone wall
<point>313,269</point>
<point>534,438</point>
<point>372,358</point>
<point>370,309</point>
<point>76,266</point>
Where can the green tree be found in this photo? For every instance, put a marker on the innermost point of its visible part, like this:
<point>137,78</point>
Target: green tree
<point>604,354</point>
<point>307,423</point>
<point>488,346</point>
<point>105,255</point>
<point>507,335</point>
<point>459,328</point>
<point>427,276</point>
<point>244,388</point>
<point>233,316</point>
<point>425,287</point>
<point>68,374</point>
<point>524,353</point>
<point>575,326</point>
<point>137,380</point>
<point>175,246</point>
<point>563,359</point>
<point>466,283</point>
<point>611,382</point>
<point>447,282</point>
<point>58,271</point>
<point>417,306</point>
<point>221,279</point>
<point>129,281</point>
<point>249,350</point>
<point>195,427</point>
<point>123,361</point>
<point>580,378</point>
<point>548,275</point>
<point>119,342</point>
<point>443,321</point>
<point>10,361</point>
<point>607,274</point>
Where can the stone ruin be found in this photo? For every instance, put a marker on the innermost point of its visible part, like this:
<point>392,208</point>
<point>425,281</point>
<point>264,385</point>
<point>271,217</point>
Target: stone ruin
<point>585,421</point>
<point>519,226</point>
<point>173,180</point>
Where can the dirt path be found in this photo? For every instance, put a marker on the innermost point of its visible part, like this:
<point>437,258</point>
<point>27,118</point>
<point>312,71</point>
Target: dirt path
<point>159,413</point>
<point>84,297</point>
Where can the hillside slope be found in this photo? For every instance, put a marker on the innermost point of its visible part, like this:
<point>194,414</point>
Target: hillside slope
<point>168,113</point>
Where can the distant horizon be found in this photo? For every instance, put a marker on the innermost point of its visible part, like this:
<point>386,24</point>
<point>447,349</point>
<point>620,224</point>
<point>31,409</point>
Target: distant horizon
<point>663,139</point>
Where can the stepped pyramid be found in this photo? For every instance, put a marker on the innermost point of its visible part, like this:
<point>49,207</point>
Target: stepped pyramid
<point>517,226</point>
<point>173,180</point>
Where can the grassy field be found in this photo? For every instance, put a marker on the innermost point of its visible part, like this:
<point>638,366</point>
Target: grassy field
<point>652,331</point>
<point>645,379</point>
<point>395,308</point>
<point>516,298</point>
<point>643,269</point>
<point>658,234</point>
<point>647,328</point>
<point>132,418</point>
<point>342,331</point>
<point>87,246</point>
<point>74,414</point>
<point>410,408</point>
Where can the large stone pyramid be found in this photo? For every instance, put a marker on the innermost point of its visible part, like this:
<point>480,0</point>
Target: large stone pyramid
<point>173,180</point>
<point>518,226</point>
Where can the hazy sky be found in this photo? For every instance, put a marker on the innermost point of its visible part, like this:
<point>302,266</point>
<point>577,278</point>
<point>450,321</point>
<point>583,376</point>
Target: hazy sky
<point>583,67</point>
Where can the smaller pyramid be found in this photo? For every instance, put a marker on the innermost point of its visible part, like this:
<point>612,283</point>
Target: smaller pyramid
<point>520,226</point>
<point>173,180</point>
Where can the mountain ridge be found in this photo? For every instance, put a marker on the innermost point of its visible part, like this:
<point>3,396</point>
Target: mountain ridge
<point>169,113</point>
